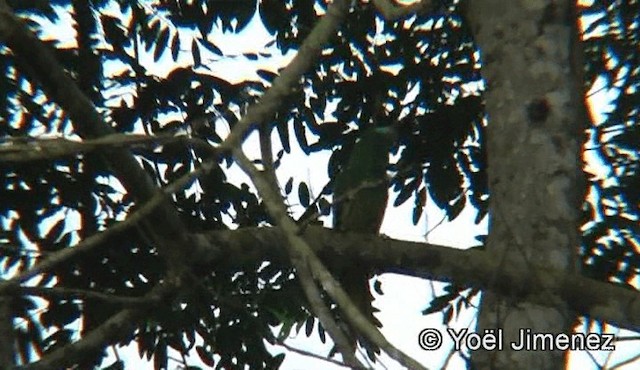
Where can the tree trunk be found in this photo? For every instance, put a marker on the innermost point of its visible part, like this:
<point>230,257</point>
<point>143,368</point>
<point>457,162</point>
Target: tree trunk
<point>7,359</point>
<point>534,139</point>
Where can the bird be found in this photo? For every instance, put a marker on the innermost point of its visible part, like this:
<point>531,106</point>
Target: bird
<point>359,202</point>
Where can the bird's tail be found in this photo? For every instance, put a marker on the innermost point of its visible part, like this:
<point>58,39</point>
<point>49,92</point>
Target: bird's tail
<point>356,285</point>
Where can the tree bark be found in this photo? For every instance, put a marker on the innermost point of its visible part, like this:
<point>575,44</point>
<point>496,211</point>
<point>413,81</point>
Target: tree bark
<point>534,139</point>
<point>7,358</point>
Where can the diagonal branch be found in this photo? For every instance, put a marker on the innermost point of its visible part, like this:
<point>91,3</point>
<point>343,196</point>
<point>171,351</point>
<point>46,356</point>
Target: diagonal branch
<point>302,258</point>
<point>88,123</point>
<point>93,241</point>
<point>324,315</point>
<point>313,294</point>
<point>110,331</point>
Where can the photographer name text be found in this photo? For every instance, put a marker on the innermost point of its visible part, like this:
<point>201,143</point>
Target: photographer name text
<point>492,339</point>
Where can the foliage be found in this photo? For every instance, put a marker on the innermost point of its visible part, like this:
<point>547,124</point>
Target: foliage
<point>424,71</point>
<point>421,69</point>
<point>610,244</point>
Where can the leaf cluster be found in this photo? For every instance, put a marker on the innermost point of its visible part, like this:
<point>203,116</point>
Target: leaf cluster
<point>611,214</point>
<point>420,74</point>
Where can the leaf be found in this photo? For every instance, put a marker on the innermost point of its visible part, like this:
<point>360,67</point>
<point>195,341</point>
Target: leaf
<point>288,186</point>
<point>308,328</point>
<point>118,365</point>
<point>303,194</point>
<point>278,160</point>
<point>56,231</point>
<point>421,200</point>
<point>403,196</point>
<point>277,360</point>
<point>195,52</point>
<point>454,210</point>
<point>300,131</point>
<point>325,206</point>
<point>175,46</point>
<point>161,45</point>
<point>113,33</point>
<point>377,287</point>
<point>321,333</point>
<point>266,75</point>
<point>447,315</point>
<point>211,47</point>
<point>285,330</point>
<point>283,132</point>
<point>459,302</point>
<point>160,356</point>
<point>439,303</point>
<point>205,356</point>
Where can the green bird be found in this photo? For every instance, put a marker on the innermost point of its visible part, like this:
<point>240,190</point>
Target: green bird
<point>360,199</point>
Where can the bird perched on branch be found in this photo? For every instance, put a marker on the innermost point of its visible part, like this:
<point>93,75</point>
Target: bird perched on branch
<point>359,202</point>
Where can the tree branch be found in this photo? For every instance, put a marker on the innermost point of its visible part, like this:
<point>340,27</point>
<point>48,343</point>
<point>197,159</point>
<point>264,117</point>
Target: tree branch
<point>609,302</point>
<point>88,244</point>
<point>323,313</point>
<point>392,11</point>
<point>68,293</point>
<point>302,257</point>
<point>28,149</point>
<point>296,253</point>
<point>310,354</point>
<point>110,331</point>
<point>88,123</point>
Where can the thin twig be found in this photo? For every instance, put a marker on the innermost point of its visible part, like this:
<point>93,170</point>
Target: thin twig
<point>86,294</point>
<point>311,354</point>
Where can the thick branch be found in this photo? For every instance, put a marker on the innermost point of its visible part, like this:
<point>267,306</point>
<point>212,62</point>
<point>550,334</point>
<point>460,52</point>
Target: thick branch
<point>608,302</point>
<point>90,125</point>
<point>298,254</point>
